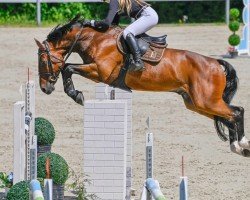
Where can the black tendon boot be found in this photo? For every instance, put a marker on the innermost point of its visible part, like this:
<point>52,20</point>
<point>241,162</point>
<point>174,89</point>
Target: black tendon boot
<point>137,65</point>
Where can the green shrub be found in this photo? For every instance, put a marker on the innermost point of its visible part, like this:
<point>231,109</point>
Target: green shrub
<point>234,26</point>
<point>19,191</point>
<point>59,169</point>
<point>45,131</point>
<point>6,180</point>
<point>78,186</point>
<point>234,13</point>
<point>234,40</point>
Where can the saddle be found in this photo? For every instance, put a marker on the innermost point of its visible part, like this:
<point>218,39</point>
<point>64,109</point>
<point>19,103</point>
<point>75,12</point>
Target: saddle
<point>151,48</point>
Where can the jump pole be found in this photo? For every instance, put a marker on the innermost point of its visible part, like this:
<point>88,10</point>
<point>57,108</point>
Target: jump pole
<point>149,151</point>
<point>183,183</point>
<point>149,155</point>
<point>151,189</point>
<point>25,140</point>
<point>31,138</point>
<point>146,194</point>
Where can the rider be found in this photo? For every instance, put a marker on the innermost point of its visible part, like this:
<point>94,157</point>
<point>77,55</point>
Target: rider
<point>145,19</point>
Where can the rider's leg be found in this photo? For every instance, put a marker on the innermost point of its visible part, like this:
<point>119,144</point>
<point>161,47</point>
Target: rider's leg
<point>145,22</point>
<point>138,64</point>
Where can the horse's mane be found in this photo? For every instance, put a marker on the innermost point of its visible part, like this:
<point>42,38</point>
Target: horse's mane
<point>60,30</point>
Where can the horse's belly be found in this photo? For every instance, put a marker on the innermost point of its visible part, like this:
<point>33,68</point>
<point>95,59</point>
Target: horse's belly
<point>138,81</point>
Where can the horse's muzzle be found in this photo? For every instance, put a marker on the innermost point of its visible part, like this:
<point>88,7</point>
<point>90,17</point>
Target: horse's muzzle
<point>47,88</point>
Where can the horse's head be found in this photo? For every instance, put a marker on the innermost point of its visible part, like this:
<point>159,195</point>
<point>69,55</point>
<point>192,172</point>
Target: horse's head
<point>60,41</point>
<point>50,63</point>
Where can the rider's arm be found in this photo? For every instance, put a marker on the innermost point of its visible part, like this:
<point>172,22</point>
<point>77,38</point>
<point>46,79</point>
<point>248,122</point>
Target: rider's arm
<point>113,10</point>
<point>116,19</point>
<point>111,17</point>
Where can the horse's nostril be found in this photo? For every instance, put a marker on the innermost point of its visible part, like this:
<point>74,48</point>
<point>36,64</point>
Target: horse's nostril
<point>43,89</point>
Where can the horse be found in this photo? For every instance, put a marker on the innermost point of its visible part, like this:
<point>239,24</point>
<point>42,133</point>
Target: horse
<point>207,85</point>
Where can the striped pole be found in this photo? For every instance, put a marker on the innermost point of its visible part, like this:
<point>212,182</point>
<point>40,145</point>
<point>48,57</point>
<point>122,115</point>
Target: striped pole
<point>154,189</point>
<point>48,189</point>
<point>36,190</point>
<point>48,182</point>
<point>183,183</point>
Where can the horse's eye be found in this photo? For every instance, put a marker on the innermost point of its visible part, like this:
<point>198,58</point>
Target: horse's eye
<point>43,62</point>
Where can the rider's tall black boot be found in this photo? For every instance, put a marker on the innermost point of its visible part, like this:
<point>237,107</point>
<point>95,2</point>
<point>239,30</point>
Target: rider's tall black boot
<point>137,65</point>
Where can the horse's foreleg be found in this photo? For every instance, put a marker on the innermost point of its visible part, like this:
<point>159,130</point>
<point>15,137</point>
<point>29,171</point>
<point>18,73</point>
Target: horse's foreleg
<point>85,70</point>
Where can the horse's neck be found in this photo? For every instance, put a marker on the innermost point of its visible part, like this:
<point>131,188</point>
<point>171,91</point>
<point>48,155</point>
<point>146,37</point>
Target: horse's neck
<point>112,31</point>
<point>86,47</point>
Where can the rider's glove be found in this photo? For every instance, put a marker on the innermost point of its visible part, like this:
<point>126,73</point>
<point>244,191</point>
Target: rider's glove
<point>99,25</point>
<point>87,22</point>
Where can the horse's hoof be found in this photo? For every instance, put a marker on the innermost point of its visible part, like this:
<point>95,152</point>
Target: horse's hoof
<point>245,153</point>
<point>245,143</point>
<point>79,98</point>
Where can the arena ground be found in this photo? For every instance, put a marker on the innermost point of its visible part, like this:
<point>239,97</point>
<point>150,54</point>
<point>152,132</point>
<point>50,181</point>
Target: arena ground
<point>214,172</point>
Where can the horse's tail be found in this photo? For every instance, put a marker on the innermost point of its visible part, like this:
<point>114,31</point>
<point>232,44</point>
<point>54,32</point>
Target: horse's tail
<point>228,94</point>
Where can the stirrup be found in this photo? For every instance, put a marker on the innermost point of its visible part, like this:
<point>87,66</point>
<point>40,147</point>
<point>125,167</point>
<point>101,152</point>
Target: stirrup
<point>133,67</point>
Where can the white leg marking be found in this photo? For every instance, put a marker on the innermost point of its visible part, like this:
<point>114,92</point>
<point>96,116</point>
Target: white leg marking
<point>244,143</point>
<point>235,147</point>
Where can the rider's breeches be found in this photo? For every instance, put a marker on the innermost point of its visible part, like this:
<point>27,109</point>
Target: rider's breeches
<point>147,20</point>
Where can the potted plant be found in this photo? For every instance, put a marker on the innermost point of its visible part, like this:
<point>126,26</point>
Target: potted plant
<point>234,25</point>
<point>6,181</point>
<point>45,135</point>
<point>78,186</point>
<point>19,191</point>
<point>59,172</point>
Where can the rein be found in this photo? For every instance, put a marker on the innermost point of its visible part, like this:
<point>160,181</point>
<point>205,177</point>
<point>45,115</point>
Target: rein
<point>53,76</point>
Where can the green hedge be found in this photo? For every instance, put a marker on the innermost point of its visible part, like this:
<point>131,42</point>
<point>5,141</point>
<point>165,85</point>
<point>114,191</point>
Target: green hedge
<point>45,131</point>
<point>59,168</point>
<point>19,191</point>
<point>169,12</point>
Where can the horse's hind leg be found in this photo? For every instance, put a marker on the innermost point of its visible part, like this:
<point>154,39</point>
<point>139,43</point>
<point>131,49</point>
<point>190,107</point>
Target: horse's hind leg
<point>238,142</point>
<point>232,134</point>
<point>231,116</point>
<point>243,141</point>
<point>189,105</point>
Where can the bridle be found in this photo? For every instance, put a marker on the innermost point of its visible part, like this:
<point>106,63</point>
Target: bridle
<point>51,74</point>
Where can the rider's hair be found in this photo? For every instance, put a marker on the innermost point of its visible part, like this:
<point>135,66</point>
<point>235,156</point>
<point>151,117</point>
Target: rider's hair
<point>125,5</point>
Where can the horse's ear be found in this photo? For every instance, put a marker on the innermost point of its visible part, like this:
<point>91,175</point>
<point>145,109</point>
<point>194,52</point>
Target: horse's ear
<point>39,44</point>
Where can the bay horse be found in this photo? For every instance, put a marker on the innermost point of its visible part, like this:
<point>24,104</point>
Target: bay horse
<point>207,85</point>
